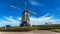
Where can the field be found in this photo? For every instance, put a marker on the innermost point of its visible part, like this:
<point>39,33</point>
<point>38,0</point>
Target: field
<point>54,28</point>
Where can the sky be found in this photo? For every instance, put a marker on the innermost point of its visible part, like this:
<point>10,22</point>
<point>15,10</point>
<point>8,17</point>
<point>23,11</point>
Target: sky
<point>47,11</point>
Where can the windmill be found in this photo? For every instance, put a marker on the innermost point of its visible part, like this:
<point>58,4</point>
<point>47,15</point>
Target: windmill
<point>25,15</point>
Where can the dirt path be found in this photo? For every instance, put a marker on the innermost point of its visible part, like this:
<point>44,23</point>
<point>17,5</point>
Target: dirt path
<point>32,32</point>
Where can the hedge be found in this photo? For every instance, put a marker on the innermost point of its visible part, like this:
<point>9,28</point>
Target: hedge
<point>28,28</point>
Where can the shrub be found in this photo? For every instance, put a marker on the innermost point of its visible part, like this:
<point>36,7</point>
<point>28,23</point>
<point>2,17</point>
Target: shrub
<point>25,28</point>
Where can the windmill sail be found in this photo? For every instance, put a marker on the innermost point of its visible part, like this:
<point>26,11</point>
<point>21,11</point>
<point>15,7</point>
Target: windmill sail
<point>26,3</point>
<point>14,6</point>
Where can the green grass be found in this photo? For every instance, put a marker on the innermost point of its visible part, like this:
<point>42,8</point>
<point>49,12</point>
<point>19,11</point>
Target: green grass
<point>56,30</point>
<point>17,28</point>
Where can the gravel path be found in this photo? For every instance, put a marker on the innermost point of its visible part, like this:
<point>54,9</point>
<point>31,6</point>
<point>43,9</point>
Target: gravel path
<point>32,32</point>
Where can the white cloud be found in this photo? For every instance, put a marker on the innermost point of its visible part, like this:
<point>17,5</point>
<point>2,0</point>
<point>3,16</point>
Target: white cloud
<point>33,20</point>
<point>41,20</point>
<point>44,19</point>
<point>9,21</point>
<point>9,18</point>
<point>36,3</point>
<point>19,18</point>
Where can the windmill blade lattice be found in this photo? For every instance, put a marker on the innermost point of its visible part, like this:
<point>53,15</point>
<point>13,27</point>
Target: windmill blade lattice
<point>14,6</point>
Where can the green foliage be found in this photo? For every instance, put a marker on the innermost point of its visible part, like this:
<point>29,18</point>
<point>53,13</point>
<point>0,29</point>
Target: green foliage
<point>55,30</point>
<point>29,28</point>
<point>17,28</point>
<point>47,27</point>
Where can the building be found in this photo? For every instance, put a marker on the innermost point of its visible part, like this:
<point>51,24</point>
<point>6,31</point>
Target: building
<point>25,19</point>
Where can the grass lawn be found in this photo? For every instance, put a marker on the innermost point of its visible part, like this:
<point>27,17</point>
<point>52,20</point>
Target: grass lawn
<point>56,30</point>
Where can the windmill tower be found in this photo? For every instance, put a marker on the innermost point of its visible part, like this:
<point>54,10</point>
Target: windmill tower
<point>25,16</point>
<point>25,20</point>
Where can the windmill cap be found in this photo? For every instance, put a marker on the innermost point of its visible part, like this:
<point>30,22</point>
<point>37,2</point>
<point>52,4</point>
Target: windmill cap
<point>25,11</point>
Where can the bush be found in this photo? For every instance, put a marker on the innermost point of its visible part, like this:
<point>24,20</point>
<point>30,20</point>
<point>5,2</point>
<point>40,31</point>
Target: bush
<point>25,28</point>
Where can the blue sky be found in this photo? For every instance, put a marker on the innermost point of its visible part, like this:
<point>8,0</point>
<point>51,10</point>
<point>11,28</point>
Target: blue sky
<point>47,11</point>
